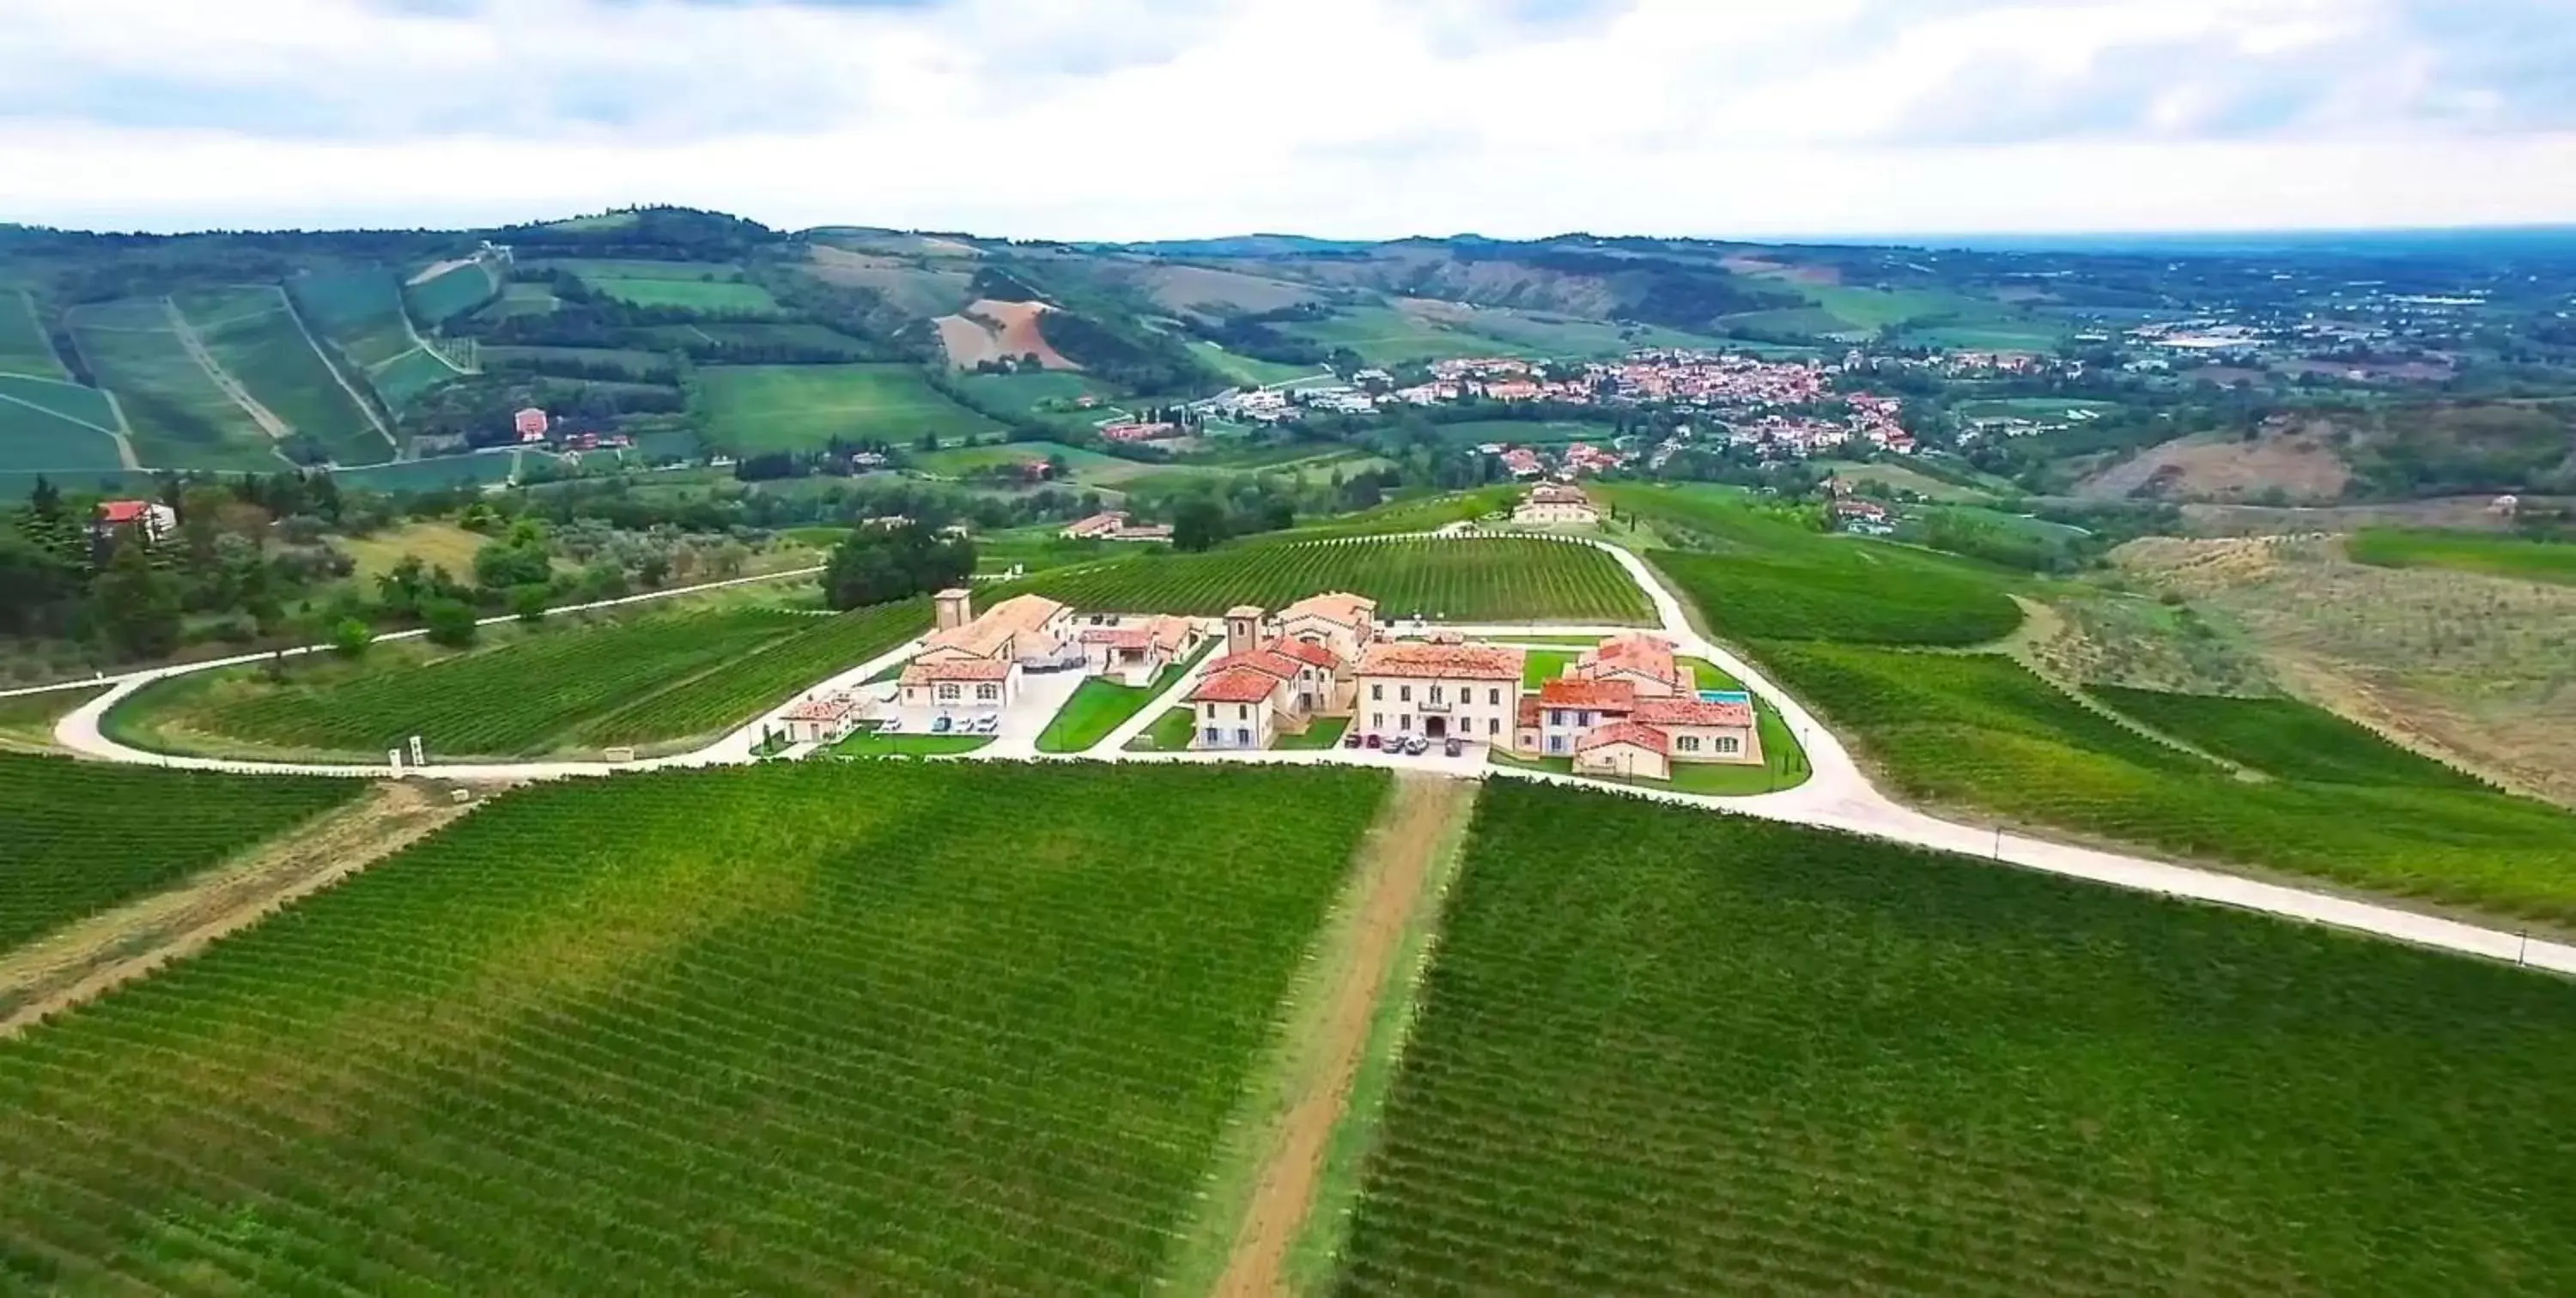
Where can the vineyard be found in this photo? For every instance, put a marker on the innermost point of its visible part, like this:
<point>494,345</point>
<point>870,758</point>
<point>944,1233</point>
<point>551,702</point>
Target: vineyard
<point>655,679</point>
<point>1663,1052</point>
<point>1483,580</point>
<point>2283,738</point>
<point>1981,735</point>
<point>83,837</point>
<point>871,1027</point>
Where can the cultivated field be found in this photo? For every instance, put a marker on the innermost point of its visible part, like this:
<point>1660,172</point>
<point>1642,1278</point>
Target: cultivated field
<point>85,836</point>
<point>657,679</point>
<point>24,348</point>
<point>754,408</point>
<point>1486,580</point>
<point>2282,738</point>
<point>995,331</point>
<point>1249,371</point>
<point>1027,392</point>
<point>1981,734</point>
<point>1664,1052</point>
<point>49,425</point>
<point>1385,336</point>
<point>870,1026</point>
<point>180,417</point>
<point>2494,556</point>
<point>460,288</point>
<point>252,333</point>
<point>360,311</point>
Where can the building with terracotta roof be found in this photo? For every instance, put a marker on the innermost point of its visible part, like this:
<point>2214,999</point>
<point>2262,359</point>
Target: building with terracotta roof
<point>1238,707</point>
<point>823,719</point>
<point>1555,504</point>
<point>1023,628</point>
<point>1136,650</point>
<point>1625,750</point>
<point>1635,681</point>
<point>988,684</point>
<point>1439,691</point>
<point>1644,661</point>
<point>1344,622</point>
<point>149,519</point>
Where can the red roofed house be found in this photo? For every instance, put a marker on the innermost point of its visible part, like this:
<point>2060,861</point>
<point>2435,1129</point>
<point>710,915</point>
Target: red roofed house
<point>149,519</point>
<point>1343,622</point>
<point>974,662</point>
<point>1644,661</point>
<point>1136,651</point>
<point>530,424</point>
<point>1239,706</point>
<point>989,683</point>
<point>1625,750</point>
<point>1552,503</point>
<point>1634,681</point>
<point>826,719</point>
<point>1440,691</point>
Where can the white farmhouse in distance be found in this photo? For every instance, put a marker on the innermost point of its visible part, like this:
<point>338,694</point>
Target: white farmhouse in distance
<point>1556,504</point>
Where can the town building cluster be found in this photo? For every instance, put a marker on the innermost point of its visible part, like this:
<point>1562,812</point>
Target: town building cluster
<point>1114,525</point>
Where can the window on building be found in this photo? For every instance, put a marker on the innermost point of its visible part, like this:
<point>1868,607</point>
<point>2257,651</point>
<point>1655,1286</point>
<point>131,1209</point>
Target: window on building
<point>1493,725</point>
<point>1404,721</point>
<point>1556,716</point>
<point>1404,694</point>
<point>1730,747</point>
<point>1687,743</point>
<point>1435,693</point>
<point>1243,712</point>
<point>1377,721</point>
<point>1494,698</point>
<point>1556,743</point>
<point>1377,693</point>
<point>988,693</point>
<point>1213,736</point>
<point>948,693</point>
<point>1583,719</point>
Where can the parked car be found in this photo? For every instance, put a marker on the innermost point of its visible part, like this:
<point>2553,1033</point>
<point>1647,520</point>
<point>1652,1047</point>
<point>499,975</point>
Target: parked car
<point>1416,746</point>
<point>1351,740</point>
<point>941,725</point>
<point>890,726</point>
<point>987,724</point>
<point>1375,742</point>
<point>1455,747</point>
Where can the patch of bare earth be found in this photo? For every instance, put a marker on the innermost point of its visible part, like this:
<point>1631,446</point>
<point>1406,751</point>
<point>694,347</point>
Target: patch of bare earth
<point>2477,670</point>
<point>90,958</point>
<point>1766,268</point>
<point>2299,463</point>
<point>1396,864</point>
<point>989,330</point>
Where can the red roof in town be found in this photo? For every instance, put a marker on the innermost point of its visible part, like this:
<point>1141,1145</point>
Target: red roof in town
<point>1308,652</point>
<point>1120,637</point>
<point>1626,732</point>
<point>1269,662</point>
<point>1575,692</point>
<point>1446,661</point>
<point>123,511</point>
<point>1692,712</point>
<point>1235,685</point>
<point>957,669</point>
<point>1529,710</point>
<point>831,707</point>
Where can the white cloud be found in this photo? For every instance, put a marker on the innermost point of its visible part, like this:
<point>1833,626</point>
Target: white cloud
<point>1145,118</point>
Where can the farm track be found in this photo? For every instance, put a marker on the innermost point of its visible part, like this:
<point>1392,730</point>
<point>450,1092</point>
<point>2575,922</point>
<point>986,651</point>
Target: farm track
<point>1838,794</point>
<point>1424,817</point>
<point>99,954</point>
<point>357,398</point>
<point>276,428</point>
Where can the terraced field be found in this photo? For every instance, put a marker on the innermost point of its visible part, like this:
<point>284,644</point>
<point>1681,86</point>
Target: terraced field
<point>85,836</point>
<point>1483,580</point>
<point>823,1026</point>
<point>53,426</point>
<point>181,418</point>
<point>1665,1052</point>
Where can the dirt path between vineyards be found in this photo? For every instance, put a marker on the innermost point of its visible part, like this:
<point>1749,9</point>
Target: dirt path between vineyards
<point>98,954</point>
<point>1396,863</point>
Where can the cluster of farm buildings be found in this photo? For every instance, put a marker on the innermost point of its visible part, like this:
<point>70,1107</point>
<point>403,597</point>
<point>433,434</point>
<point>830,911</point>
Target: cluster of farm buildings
<point>1626,707</point>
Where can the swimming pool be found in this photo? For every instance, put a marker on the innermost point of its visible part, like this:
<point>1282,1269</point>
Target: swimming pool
<point>1725,696</point>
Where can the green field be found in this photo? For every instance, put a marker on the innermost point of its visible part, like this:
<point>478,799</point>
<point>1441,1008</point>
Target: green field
<point>2054,408</point>
<point>1526,432</point>
<point>1248,371</point>
<point>85,836</point>
<point>431,474</point>
<point>359,311</point>
<point>46,426</point>
<point>1663,1052</point>
<point>2283,738</point>
<point>1091,466</point>
<point>1385,336</point>
<point>1901,477</point>
<point>693,295</point>
<point>874,1027</point>
<point>24,348</point>
<point>757,333</point>
<point>180,418</point>
<point>2494,556</point>
<point>1529,332</point>
<point>652,367</point>
<point>754,408</point>
<point>1981,734</point>
<point>872,743</point>
<point>452,293</point>
<point>1484,580</point>
<point>1056,389</point>
<point>252,334</point>
<point>522,299</point>
<point>1758,572</point>
<point>1099,706</point>
<point>657,679</point>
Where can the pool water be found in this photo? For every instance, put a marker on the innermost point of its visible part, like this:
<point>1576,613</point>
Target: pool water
<point>1725,696</point>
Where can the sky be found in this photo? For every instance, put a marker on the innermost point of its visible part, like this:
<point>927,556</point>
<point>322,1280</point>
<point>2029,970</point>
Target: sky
<point>1145,119</point>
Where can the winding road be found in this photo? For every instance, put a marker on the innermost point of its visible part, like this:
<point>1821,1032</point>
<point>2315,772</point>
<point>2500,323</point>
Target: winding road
<point>1838,795</point>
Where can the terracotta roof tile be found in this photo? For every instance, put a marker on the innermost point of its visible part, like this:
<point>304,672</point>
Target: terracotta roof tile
<point>1449,662</point>
<point>1692,712</point>
<point>1235,685</point>
<point>956,669</point>
<point>1600,696</point>
<point>1626,732</point>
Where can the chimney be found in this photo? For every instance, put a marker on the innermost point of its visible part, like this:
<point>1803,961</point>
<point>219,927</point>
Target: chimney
<point>1242,630</point>
<point>956,608</point>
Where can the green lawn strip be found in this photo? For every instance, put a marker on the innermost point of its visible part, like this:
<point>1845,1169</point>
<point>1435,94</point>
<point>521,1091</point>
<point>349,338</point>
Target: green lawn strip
<point>1326,732</point>
<point>870,743</point>
<point>1170,733</point>
<point>2493,556</point>
<point>1096,708</point>
<point>28,719</point>
<point>1539,666</point>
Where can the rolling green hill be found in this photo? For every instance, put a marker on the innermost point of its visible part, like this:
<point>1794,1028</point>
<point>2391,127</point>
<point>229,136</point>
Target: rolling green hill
<point>24,349</point>
<point>45,425</point>
<point>254,335</point>
<point>181,418</point>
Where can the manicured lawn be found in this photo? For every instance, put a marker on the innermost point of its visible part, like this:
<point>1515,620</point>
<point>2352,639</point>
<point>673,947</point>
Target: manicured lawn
<point>1170,733</point>
<point>1325,733</point>
<point>869,743</point>
<point>1540,666</point>
<point>1097,708</point>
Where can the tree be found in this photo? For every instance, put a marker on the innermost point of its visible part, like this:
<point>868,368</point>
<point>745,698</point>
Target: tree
<point>450,621</point>
<point>33,580</point>
<point>138,606</point>
<point>350,639</point>
<point>1198,525</point>
<point>528,604</point>
<point>506,565</point>
<point>654,569</point>
<point>878,565</point>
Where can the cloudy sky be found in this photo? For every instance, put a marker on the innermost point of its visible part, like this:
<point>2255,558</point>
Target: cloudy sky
<point>1129,119</point>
